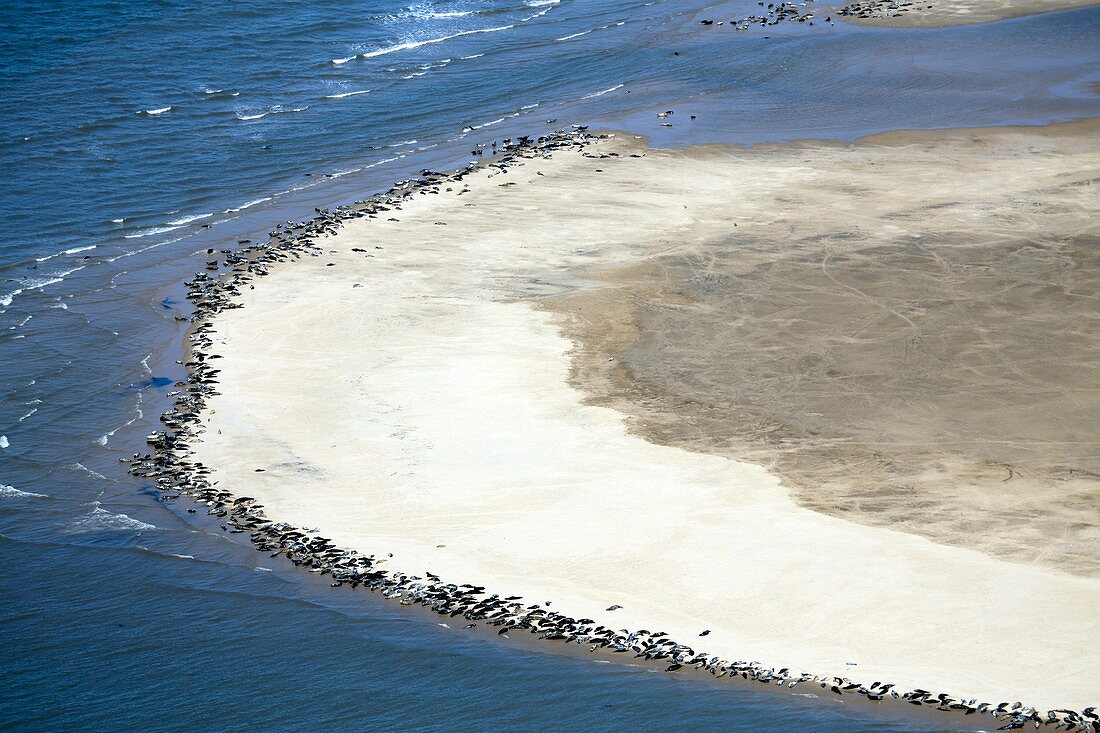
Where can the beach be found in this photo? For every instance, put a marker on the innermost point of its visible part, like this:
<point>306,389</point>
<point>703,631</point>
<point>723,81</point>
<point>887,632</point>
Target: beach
<point>501,383</point>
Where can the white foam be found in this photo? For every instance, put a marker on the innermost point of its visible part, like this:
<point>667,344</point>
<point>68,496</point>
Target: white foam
<point>38,284</point>
<point>118,221</point>
<point>90,472</point>
<point>605,91</point>
<point>138,251</point>
<point>404,142</point>
<point>4,441</point>
<point>417,44</point>
<point>71,251</point>
<point>153,112</point>
<point>317,180</point>
<point>188,219</point>
<point>152,231</point>
<point>539,14</point>
<point>137,415</point>
<point>530,106</point>
<point>278,109</point>
<point>347,94</point>
<point>338,62</point>
<point>33,410</point>
<point>11,491</point>
<point>540,3</point>
<point>444,14</point>
<point>474,56</point>
<point>574,35</point>
<point>100,520</point>
<point>59,276</point>
<point>247,205</point>
<point>485,124</point>
<point>384,160</point>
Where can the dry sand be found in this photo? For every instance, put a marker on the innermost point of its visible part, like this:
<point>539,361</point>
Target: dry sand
<point>438,397</point>
<point>943,13</point>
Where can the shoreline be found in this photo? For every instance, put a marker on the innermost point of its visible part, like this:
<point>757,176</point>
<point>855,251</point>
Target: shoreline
<point>210,298</point>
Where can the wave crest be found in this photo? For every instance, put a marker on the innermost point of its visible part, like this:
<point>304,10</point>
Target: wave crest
<point>12,492</point>
<point>601,93</point>
<point>101,520</point>
<point>427,42</point>
<point>347,94</point>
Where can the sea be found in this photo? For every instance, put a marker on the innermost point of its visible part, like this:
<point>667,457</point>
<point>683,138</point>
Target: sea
<point>136,135</point>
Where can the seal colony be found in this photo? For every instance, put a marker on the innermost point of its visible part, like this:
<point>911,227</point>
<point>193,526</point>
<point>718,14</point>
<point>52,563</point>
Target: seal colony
<point>897,13</point>
<point>941,13</point>
<point>214,453</point>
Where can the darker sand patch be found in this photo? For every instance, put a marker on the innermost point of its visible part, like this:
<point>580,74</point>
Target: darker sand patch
<point>942,382</point>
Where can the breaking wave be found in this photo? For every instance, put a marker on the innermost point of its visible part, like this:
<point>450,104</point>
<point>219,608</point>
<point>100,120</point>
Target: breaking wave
<point>12,492</point>
<point>101,520</point>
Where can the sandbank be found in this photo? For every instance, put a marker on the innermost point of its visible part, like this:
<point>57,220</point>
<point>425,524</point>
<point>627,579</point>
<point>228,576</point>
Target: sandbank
<point>436,396</point>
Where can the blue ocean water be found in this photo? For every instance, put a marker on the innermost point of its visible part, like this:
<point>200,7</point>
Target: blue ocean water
<point>135,135</point>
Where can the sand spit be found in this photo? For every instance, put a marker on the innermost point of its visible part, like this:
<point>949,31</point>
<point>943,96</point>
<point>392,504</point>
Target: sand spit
<point>398,391</point>
<point>943,13</point>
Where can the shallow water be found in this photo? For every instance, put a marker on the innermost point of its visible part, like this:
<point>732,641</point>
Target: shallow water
<point>126,128</point>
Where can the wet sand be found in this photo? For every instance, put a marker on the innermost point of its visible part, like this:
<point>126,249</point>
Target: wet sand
<point>495,390</point>
<point>943,13</point>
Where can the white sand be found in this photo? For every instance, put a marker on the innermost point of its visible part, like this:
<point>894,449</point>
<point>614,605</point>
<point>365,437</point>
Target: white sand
<point>428,413</point>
